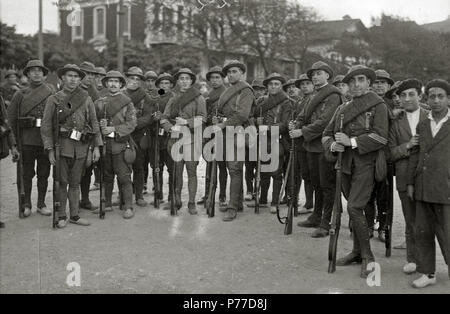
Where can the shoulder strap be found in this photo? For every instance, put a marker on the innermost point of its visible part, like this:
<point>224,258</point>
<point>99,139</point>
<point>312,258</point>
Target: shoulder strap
<point>72,101</point>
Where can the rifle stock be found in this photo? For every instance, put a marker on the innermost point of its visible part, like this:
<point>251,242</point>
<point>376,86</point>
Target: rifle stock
<point>211,199</point>
<point>56,169</point>
<point>19,168</point>
<point>173,207</point>
<point>389,214</point>
<point>258,168</point>
<point>100,166</point>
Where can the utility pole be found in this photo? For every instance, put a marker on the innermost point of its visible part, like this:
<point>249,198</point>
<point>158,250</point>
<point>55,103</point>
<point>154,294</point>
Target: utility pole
<point>40,39</point>
<point>120,38</point>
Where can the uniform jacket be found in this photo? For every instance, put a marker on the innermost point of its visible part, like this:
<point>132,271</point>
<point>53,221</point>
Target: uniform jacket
<point>399,136</point>
<point>11,140</point>
<point>83,119</point>
<point>212,102</point>
<point>236,104</point>
<point>159,104</point>
<point>92,90</point>
<point>429,166</point>
<point>7,91</point>
<point>298,108</point>
<point>144,110</point>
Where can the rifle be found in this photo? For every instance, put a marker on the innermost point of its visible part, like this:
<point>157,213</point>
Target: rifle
<point>101,170</point>
<point>258,168</point>
<point>210,202</point>
<point>337,210</point>
<point>19,167</point>
<point>390,212</point>
<point>157,169</point>
<point>173,206</point>
<point>56,169</point>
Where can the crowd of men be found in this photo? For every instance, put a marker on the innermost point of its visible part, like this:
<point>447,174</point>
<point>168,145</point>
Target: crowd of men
<point>381,128</point>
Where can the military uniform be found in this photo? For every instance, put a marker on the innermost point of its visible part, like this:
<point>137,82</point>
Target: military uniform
<point>7,89</point>
<point>25,113</point>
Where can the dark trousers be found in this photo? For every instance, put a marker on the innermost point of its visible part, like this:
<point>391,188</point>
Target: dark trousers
<point>302,172</point>
<point>409,212</point>
<point>250,169</point>
<point>223,178</point>
<point>357,188</point>
<point>71,173</point>
<point>86,184</point>
<point>277,177</point>
<point>235,169</point>
<point>35,156</point>
<point>191,168</point>
<point>138,173</point>
<point>116,165</point>
<point>164,159</point>
<point>432,221</point>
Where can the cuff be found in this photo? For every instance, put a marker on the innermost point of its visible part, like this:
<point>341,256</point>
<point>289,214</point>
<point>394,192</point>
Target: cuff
<point>354,143</point>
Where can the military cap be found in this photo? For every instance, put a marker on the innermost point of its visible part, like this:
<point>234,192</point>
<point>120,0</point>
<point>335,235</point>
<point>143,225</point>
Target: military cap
<point>410,83</point>
<point>10,72</point>
<point>384,75</point>
<point>438,83</point>
<point>233,63</point>
<point>320,65</point>
<point>338,79</point>
<point>300,79</point>
<point>185,71</point>
<point>272,77</point>
<point>164,76</point>
<point>100,70</point>
<point>216,69</point>
<point>135,71</point>
<point>150,74</point>
<point>393,90</point>
<point>114,74</point>
<point>87,67</point>
<point>70,67</point>
<point>288,83</point>
<point>258,83</point>
<point>35,63</point>
<point>359,69</point>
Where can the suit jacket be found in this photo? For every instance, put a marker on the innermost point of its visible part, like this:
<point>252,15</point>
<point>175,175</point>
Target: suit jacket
<point>429,166</point>
<point>399,136</point>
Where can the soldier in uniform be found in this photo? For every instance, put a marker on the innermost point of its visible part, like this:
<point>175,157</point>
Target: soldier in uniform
<point>25,114</point>
<point>100,73</point>
<point>117,117</point>
<point>428,183</point>
<point>236,105</point>
<point>292,91</point>
<point>187,109</point>
<point>10,87</point>
<point>142,105</point>
<point>152,91</point>
<point>342,87</point>
<point>365,132</point>
<point>305,85</point>
<point>78,132</point>
<point>215,77</point>
<point>276,110</point>
<point>312,122</point>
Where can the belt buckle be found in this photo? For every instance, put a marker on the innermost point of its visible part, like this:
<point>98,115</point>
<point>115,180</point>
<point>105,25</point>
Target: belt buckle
<point>111,135</point>
<point>75,135</point>
<point>38,123</point>
<point>161,132</point>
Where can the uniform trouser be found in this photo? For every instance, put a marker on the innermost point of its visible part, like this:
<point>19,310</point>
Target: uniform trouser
<point>164,159</point>
<point>30,156</point>
<point>235,169</point>
<point>302,172</point>
<point>71,174</point>
<point>380,198</point>
<point>116,165</point>
<point>357,188</point>
<point>409,212</point>
<point>277,177</point>
<point>223,176</point>
<point>138,173</point>
<point>323,176</point>
<point>86,184</point>
<point>145,165</point>
<point>250,172</point>
<point>191,168</point>
<point>432,221</point>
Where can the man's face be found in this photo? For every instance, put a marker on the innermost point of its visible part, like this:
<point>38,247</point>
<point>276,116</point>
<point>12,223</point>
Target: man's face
<point>98,80</point>
<point>438,100</point>
<point>216,80</point>
<point>35,74</point>
<point>89,78</point>
<point>150,83</point>
<point>410,99</point>
<point>274,87</point>
<point>292,91</point>
<point>234,75</point>
<point>359,85</point>
<point>342,87</point>
<point>114,85</point>
<point>133,82</point>
<point>184,81</point>
<point>12,79</point>
<point>396,99</point>
<point>259,92</point>
<point>166,85</point>
<point>71,79</point>
<point>306,87</point>
<point>319,78</point>
<point>380,87</point>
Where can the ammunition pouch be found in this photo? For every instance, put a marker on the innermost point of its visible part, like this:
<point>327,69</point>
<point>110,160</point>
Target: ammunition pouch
<point>27,122</point>
<point>87,137</point>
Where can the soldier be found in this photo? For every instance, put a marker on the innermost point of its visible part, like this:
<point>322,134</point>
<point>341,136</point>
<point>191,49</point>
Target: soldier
<point>392,95</point>
<point>10,87</point>
<point>7,140</point>
<point>100,73</point>
<point>142,105</point>
<point>215,77</point>
<point>78,131</point>
<point>429,186</point>
<point>305,85</point>
<point>276,110</point>
<point>150,80</point>
<point>25,115</point>
<point>342,87</point>
<point>402,139</point>
<point>312,122</point>
<point>292,91</point>
<point>365,131</point>
<point>88,83</point>
<point>164,83</point>
<point>236,105</point>
<point>117,122</point>
<point>185,109</point>
<point>250,166</point>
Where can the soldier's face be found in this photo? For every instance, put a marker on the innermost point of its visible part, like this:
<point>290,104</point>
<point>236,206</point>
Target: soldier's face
<point>396,99</point>
<point>166,85</point>
<point>342,87</point>
<point>359,85</point>
<point>36,74</point>
<point>216,80</point>
<point>133,82</point>
<point>380,87</point>
<point>184,81</point>
<point>292,90</point>
<point>71,79</point>
<point>274,87</point>
<point>234,75</point>
<point>114,85</point>
<point>98,79</point>
<point>438,100</point>
<point>150,83</point>
<point>259,92</point>
<point>319,78</point>
<point>410,99</point>
<point>89,78</point>
<point>306,87</point>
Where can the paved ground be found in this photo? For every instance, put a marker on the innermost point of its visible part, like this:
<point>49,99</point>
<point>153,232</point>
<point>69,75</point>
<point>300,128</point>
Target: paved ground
<point>156,253</point>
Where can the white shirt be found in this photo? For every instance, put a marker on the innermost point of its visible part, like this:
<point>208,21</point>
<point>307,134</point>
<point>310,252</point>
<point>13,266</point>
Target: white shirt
<point>435,127</point>
<point>413,120</point>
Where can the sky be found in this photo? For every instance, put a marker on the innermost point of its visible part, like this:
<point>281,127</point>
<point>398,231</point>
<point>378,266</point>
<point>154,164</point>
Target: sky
<point>24,13</point>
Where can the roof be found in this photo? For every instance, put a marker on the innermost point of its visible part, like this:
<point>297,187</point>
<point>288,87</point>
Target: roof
<point>335,29</point>
<point>442,27</point>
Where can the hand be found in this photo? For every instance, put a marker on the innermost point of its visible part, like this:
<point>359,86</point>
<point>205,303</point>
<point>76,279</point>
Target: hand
<point>107,130</point>
<point>103,123</point>
<point>215,120</point>
<point>291,125</point>
<point>96,154</point>
<point>51,157</point>
<point>414,141</point>
<point>343,139</point>
<point>15,154</point>
<point>410,192</point>
<point>337,148</point>
<point>158,115</point>
<point>296,133</point>
<point>259,121</point>
<point>181,121</point>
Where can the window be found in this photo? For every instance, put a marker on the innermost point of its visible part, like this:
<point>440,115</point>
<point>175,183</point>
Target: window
<point>77,26</point>
<point>126,20</point>
<point>100,21</point>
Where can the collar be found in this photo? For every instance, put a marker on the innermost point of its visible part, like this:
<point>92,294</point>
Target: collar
<point>415,112</point>
<point>447,116</point>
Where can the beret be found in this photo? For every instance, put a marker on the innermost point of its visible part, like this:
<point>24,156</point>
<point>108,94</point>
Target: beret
<point>408,84</point>
<point>438,83</point>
